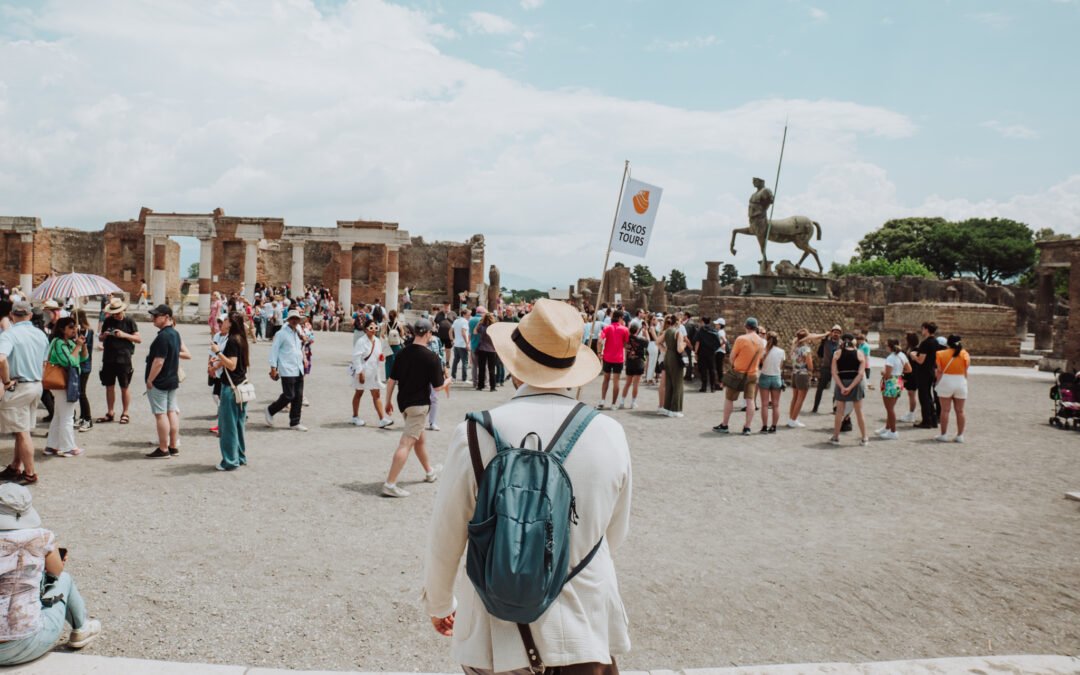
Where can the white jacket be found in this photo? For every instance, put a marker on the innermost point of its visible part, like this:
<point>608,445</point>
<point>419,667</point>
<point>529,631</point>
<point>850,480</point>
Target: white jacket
<point>587,622</point>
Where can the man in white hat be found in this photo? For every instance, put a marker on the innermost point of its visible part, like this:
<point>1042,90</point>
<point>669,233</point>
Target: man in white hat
<point>586,622</point>
<point>23,349</point>
<point>287,364</point>
<point>119,335</point>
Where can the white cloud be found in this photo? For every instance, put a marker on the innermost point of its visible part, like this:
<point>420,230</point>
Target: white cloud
<point>1016,131</point>
<point>818,14</point>
<point>315,117</point>
<point>887,21</point>
<point>995,20</point>
<point>699,42</point>
<point>487,23</point>
<point>531,4</point>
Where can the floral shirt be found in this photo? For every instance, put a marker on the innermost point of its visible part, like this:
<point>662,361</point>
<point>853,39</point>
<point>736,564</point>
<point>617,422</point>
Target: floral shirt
<point>22,564</point>
<point>798,358</point>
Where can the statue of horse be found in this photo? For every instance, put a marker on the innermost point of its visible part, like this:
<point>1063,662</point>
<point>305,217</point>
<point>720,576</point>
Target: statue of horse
<point>796,230</point>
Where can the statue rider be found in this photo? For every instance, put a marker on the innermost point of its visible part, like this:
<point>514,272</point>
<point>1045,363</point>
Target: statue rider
<point>760,202</point>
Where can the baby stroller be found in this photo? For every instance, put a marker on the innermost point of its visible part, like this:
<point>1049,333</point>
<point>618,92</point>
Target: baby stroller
<point>1066,397</point>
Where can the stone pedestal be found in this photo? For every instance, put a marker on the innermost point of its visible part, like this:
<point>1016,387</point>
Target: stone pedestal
<point>711,284</point>
<point>391,279</point>
<point>345,277</point>
<point>297,270</point>
<point>26,264</point>
<point>780,286</point>
<point>251,267</point>
<point>157,283</point>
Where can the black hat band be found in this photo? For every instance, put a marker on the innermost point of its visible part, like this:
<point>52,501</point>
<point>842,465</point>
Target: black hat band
<point>539,356</point>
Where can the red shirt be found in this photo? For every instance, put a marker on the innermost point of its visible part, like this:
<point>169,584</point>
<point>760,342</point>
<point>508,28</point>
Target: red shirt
<point>615,336</point>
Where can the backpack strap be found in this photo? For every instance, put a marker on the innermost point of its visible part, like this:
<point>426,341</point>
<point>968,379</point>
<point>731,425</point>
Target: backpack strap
<point>482,419</point>
<point>568,434</point>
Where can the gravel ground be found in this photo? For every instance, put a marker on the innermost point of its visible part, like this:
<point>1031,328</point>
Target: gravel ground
<point>767,549</point>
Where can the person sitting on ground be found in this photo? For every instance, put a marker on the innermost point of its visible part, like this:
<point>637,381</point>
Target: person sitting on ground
<point>36,594</point>
<point>952,386</point>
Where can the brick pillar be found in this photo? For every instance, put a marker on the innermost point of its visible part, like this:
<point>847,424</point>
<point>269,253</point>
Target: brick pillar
<point>206,270</point>
<point>298,264</point>
<point>251,267</point>
<point>345,277</point>
<point>391,278</point>
<point>26,264</point>
<point>148,258</point>
<point>158,280</point>
<point>1044,310</point>
<point>1072,342</point>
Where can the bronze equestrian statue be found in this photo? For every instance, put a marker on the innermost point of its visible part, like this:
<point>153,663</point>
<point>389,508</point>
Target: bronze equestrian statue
<point>796,230</point>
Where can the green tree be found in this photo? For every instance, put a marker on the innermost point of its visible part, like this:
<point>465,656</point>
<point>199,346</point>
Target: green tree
<point>676,282</point>
<point>881,267</point>
<point>996,248</point>
<point>935,242</point>
<point>641,276</point>
<point>729,275</point>
<point>193,271</point>
<point>527,295</point>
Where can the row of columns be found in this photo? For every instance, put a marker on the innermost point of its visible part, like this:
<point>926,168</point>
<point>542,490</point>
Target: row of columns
<point>251,262</point>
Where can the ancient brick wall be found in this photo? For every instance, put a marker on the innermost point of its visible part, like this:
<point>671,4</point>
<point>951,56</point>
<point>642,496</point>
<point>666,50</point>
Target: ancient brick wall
<point>786,315</point>
<point>76,250</point>
<point>369,273</point>
<point>125,253</point>
<point>986,329</point>
<point>10,252</point>
<point>423,266</point>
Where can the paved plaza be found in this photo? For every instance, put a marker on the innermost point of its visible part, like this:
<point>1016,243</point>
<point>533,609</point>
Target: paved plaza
<point>769,549</point>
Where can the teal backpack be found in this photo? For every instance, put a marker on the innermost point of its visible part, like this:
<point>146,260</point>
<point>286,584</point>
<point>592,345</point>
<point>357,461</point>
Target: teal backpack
<point>518,557</point>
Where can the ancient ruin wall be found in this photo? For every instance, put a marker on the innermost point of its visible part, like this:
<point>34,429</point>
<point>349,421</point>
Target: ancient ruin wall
<point>786,315</point>
<point>987,330</point>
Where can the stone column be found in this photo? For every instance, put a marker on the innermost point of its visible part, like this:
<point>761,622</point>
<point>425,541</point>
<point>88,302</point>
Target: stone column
<point>157,281</point>
<point>206,268</point>
<point>391,279</point>
<point>26,264</point>
<point>1044,310</point>
<point>345,277</point>
<point>1072,341</point>
<point>148,258</point>
<point>251,267</point>
<point>298,264</point>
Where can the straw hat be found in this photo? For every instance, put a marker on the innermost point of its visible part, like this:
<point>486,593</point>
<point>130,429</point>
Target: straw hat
<point>51,304</point>
<point>545,349</point>
<point>115,306</point>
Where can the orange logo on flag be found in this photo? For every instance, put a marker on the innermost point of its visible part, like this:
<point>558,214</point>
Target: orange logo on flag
<point>641,201</point>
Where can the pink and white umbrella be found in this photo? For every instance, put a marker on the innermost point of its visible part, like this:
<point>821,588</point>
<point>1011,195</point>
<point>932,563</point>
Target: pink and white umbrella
<point>74,285</point>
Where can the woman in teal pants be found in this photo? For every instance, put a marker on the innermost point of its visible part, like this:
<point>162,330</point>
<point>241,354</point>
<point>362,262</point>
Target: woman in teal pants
<point>232,416</point>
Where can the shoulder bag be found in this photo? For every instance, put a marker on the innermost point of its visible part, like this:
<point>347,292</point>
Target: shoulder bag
<point>737,379</point>
<point>243,392</point>
<point>54,377</point>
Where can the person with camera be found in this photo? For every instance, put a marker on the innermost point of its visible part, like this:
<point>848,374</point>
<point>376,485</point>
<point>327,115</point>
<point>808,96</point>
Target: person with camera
<point>37,595</point>
<point>234,360</point>
<point>119,334</point>
<point>67,350</point>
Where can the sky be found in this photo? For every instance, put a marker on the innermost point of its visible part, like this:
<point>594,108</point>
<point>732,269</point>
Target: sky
<point>513,118</point>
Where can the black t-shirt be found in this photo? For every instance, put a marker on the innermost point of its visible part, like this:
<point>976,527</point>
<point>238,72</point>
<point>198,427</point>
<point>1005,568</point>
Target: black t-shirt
<point>930,346</point>
<point>708,341</point>
<point>166,346</point>
<point>445,326</point>
<point>232,350</point>
<point>636,348</point>
<point>416,369</point>
<point>118,350</point>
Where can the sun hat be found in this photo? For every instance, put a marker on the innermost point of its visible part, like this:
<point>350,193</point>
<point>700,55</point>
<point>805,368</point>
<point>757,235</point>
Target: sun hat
<point>751,322</point>
<point>21,308</point>
<point>161,310</point>
<point>720,321</point>
<point>51,304</point>
<point>835,327</point>
<point>545,349</point>
<point>115,306</point>
<point>16,511</point>
<point>294,314</point>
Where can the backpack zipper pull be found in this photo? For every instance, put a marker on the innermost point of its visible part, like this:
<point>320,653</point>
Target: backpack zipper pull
<point>549,544</point>
<point>573,510</point>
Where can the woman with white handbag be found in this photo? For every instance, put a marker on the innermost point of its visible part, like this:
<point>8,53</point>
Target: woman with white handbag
<point>236,392</point>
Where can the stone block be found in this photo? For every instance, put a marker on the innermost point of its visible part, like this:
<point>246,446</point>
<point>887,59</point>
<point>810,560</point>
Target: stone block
<point>786,315</point>
<point>988,330</point>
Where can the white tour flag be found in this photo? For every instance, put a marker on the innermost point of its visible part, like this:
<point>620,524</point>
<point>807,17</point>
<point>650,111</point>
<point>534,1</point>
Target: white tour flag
<point>634,224</point>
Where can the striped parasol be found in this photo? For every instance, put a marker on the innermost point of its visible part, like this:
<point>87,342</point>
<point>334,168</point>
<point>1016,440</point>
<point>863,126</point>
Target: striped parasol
<point>74,285</point>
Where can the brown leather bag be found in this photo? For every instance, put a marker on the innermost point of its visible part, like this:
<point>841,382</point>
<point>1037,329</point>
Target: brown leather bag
<point>536,663</point>
<point>54,377</point>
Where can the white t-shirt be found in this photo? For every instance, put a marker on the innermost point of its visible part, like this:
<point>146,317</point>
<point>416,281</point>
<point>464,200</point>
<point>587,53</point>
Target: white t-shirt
<point>773,361</point>
<point>461,324</point>
<point>896,361</point>
<point>22,562</point>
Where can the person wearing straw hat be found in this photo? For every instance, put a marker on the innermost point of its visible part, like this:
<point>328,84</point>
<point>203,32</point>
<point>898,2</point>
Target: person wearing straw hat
<point>586,624</point>
<point>119,334</point>
<point>34,612</point>
<point>287,364</point>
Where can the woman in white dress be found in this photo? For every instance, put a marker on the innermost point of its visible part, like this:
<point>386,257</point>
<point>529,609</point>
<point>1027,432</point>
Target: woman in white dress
<point>365,374</point>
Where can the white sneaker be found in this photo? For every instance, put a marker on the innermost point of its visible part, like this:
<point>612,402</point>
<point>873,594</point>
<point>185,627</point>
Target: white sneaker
<point>792,424</point>
<point>600,405</point>
<point>661,411</point>
<point>393,491</point>
<point>882,431</point>
<point>799,424</point>
<point>357,422</point>
<point>622,404</point>
<point>890,436</point>
<point>633,406</point>
<point>433,475</point>
<point>910,417</point>
<point>268,417</point>
<point>298,427</point>
<point>85,635</point>
<point>385,422</point>
<point>306,402</point>
<point>433,427</point>
<point>959,438</point>
<point>675,414</point>
<point>942,438</point>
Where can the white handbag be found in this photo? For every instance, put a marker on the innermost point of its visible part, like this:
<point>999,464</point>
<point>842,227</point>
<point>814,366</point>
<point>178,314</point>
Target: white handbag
<point>243,392</point>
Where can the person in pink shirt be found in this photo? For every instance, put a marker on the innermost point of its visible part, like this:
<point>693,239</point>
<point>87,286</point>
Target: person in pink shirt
<point>613,341</point>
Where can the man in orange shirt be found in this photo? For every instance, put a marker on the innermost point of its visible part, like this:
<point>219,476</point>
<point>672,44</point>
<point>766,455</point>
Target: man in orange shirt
<point>745,358</point>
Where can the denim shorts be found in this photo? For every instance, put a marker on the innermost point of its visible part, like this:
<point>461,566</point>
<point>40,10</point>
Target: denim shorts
<point>161,401</point>
<point>770,382</point>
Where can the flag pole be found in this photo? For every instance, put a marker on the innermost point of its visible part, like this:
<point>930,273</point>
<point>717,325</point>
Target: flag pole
<point>614,219</point>
<point>776,190</point>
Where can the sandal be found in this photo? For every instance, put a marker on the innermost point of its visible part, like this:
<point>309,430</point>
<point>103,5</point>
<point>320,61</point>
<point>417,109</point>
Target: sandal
<point>124,419</point>
<point>108,418</point>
